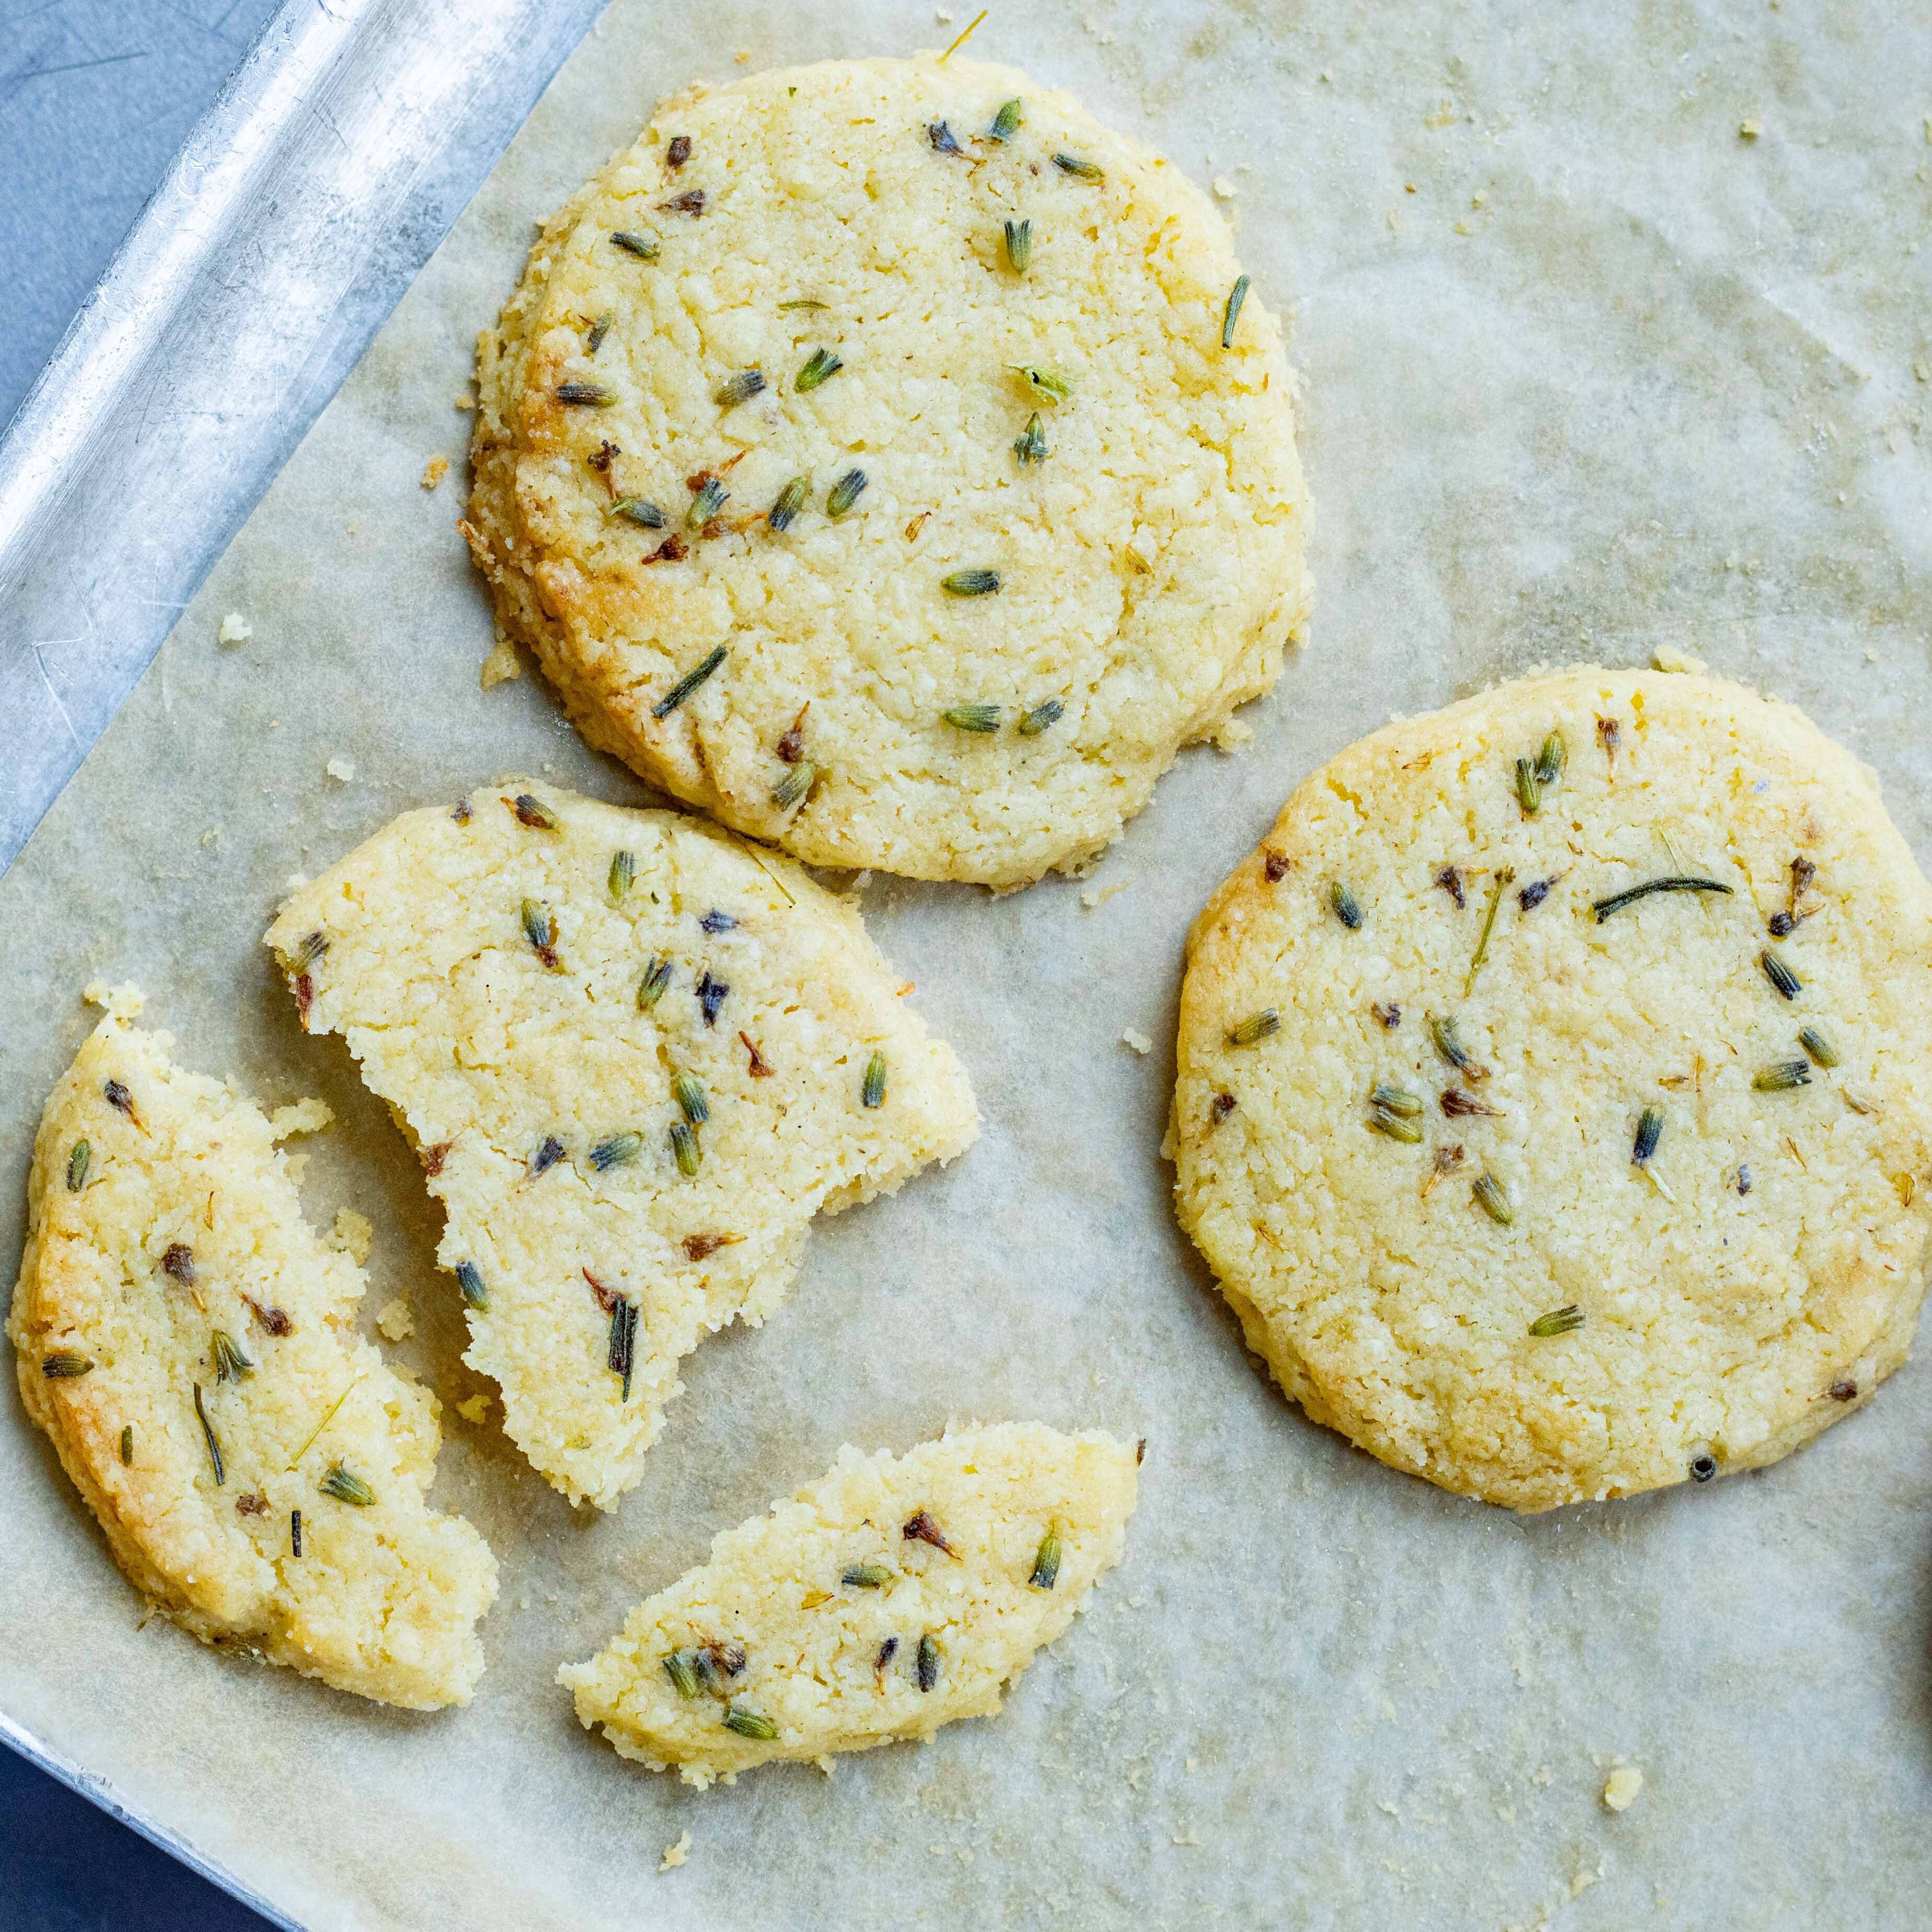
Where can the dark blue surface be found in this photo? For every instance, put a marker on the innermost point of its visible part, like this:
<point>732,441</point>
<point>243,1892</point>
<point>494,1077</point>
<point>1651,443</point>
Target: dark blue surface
<point>95,96</point>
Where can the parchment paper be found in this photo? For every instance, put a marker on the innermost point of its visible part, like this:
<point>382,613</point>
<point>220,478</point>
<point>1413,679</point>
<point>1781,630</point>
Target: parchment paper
<point>1589,373</point>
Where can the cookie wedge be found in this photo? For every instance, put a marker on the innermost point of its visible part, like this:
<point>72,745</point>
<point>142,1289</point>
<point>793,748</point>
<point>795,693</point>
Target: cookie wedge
<point>636,1058</point>
<point>186,1341</point>
<point>892,1596</point>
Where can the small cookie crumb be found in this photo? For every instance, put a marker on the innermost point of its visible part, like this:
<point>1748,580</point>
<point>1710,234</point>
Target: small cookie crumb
<point>1749,130</point>
<point>1667,657</point>
<point>434,471</point>
<point>673,1855</point>
<point>395,1320</point>
<point>343,770</point>
<point>473,1410</point>
<point>352,1235</point>
<point>1620,1792</point>
<point>1098,896</point>
<point>500,663</point>
<point>1224,189</point>
<point>235,628</point>
<point>1138,1042</point>
<point>304,1116</point>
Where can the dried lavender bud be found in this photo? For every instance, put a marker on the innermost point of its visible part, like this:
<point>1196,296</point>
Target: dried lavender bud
<point>226,1358</point>
<point>928,1671</point>
<point>1346,907</point>
<point>690,1098</point>
<point>942,138</point>
<point>540,929</point>
<point>711,996</point>
<point>1042,381</point>
<point>1489,1197</point>
<point>65,1365</point>
<point>819,365</point>
<point>651,987</point>
<point>1231,314</point>
<point>709,495</point>
<point>549,1152</point>
<point>1255,1027</point>
<point>534,813</point>
<point>1078,167</point>
<point>1784,981</point>
<point>470,1279</point>
<point>678,152</point>
<point>642,246</point>
<point>845,493</point>
<point>872,1092</point>
<point>1649,1131</point>
<point>749,1723</point>
<point>1822,1052</point>
<point>1011,114</point>
<point>1450,880</point>
<point>1533,894</point>
<point>739,387</point>
<point>619,1150</point>
<point>981,719</point>
<point>78,1163</point>
<point>1019,245</point>
<point>689,682</point>
<point>345,1487</point>
<point>636,510</point>
<point>789,500</point>
<point>1029,445</point>
<point>1564,1321</point>
<point>592,395</point>
<point>970,583</point>
<point>685,1148</point>
<point>1046,1561</point>
<point>209,1437</point>
<point>1033,722</point>
<point>1603,908</point>
<point>792,787</point>
<point>178,1263</point>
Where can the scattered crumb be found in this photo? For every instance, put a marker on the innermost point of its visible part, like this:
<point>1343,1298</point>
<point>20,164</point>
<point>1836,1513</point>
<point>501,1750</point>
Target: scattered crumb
<point>743,57</point>
<point>1186,1838</point>
<point>1233,735</point>
<point>304,1116</point>
<point>944,19</point>
<point>1620,1792</point>
<point>395,1320</point>
<point>501,664</point>
<point>297,1164</point>
<point>434,471</point>
<point>212,836</point>
<point>1190,1765</point>
<point>1667,657</point>
<point>1583,1878</point>
<point>1091,896</point>
<point>673,1855</point>
<point>826,1763</point>
<point>343,770</point>
<point>1923,371</point>
<point>1749,130</point>
<point>352,1235</point>
<point>295,882</point>
<point>1224,189</point>
<point>1138,1042</point>
<point>473,1410</point>
<point>235,628</point>
<point>465,403</point>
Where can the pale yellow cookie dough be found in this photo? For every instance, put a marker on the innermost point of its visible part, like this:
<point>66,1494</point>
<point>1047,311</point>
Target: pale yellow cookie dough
<point>889,1597</point>
<point>1149,559</point>
<point>188,1343</point>
<point>636,1058</point>
<point>1706,1309</point>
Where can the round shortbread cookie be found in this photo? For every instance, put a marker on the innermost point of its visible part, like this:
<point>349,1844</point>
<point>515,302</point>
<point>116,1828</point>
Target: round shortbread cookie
<point>889,1597</point>
<point>1636,1190</point>
<point>1076,540</point>
<point>188,1342</point>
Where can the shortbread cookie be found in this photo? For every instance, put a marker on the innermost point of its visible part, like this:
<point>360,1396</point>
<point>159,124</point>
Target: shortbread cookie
<point>890,459</point>
<point>889,1597</point>
<point>188,1342</point>
<point>636,1059</point>
<point>1555,1088</point>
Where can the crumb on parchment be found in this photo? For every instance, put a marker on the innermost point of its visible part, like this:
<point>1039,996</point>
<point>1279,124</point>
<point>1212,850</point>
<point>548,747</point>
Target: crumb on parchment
<point>343,770</point>
<point>395,1320</point>
<point>304,1117</point>
<point>674,1854</point>
<point>500,663</point>
<point>352,1235</point>
<point>235,628</point>
<point>1137,1041</point>
<point>434,471</point>
<point>474,1409</point>
<point>1620,1790</point>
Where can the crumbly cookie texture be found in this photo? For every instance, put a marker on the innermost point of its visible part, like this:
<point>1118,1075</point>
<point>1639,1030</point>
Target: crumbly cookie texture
<point>636,1058</point>
<point>1074,538</point>
<point>892,1596</point>
<point>187,1341</point>
<point>1555,1096</point>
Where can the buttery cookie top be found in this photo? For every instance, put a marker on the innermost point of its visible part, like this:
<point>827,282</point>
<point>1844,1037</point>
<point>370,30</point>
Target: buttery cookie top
<point>890,1597</point>
<point>188,1343</point>
<point>1555,1096</point>
<point>636,1058</point>
<point>890,459</point>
